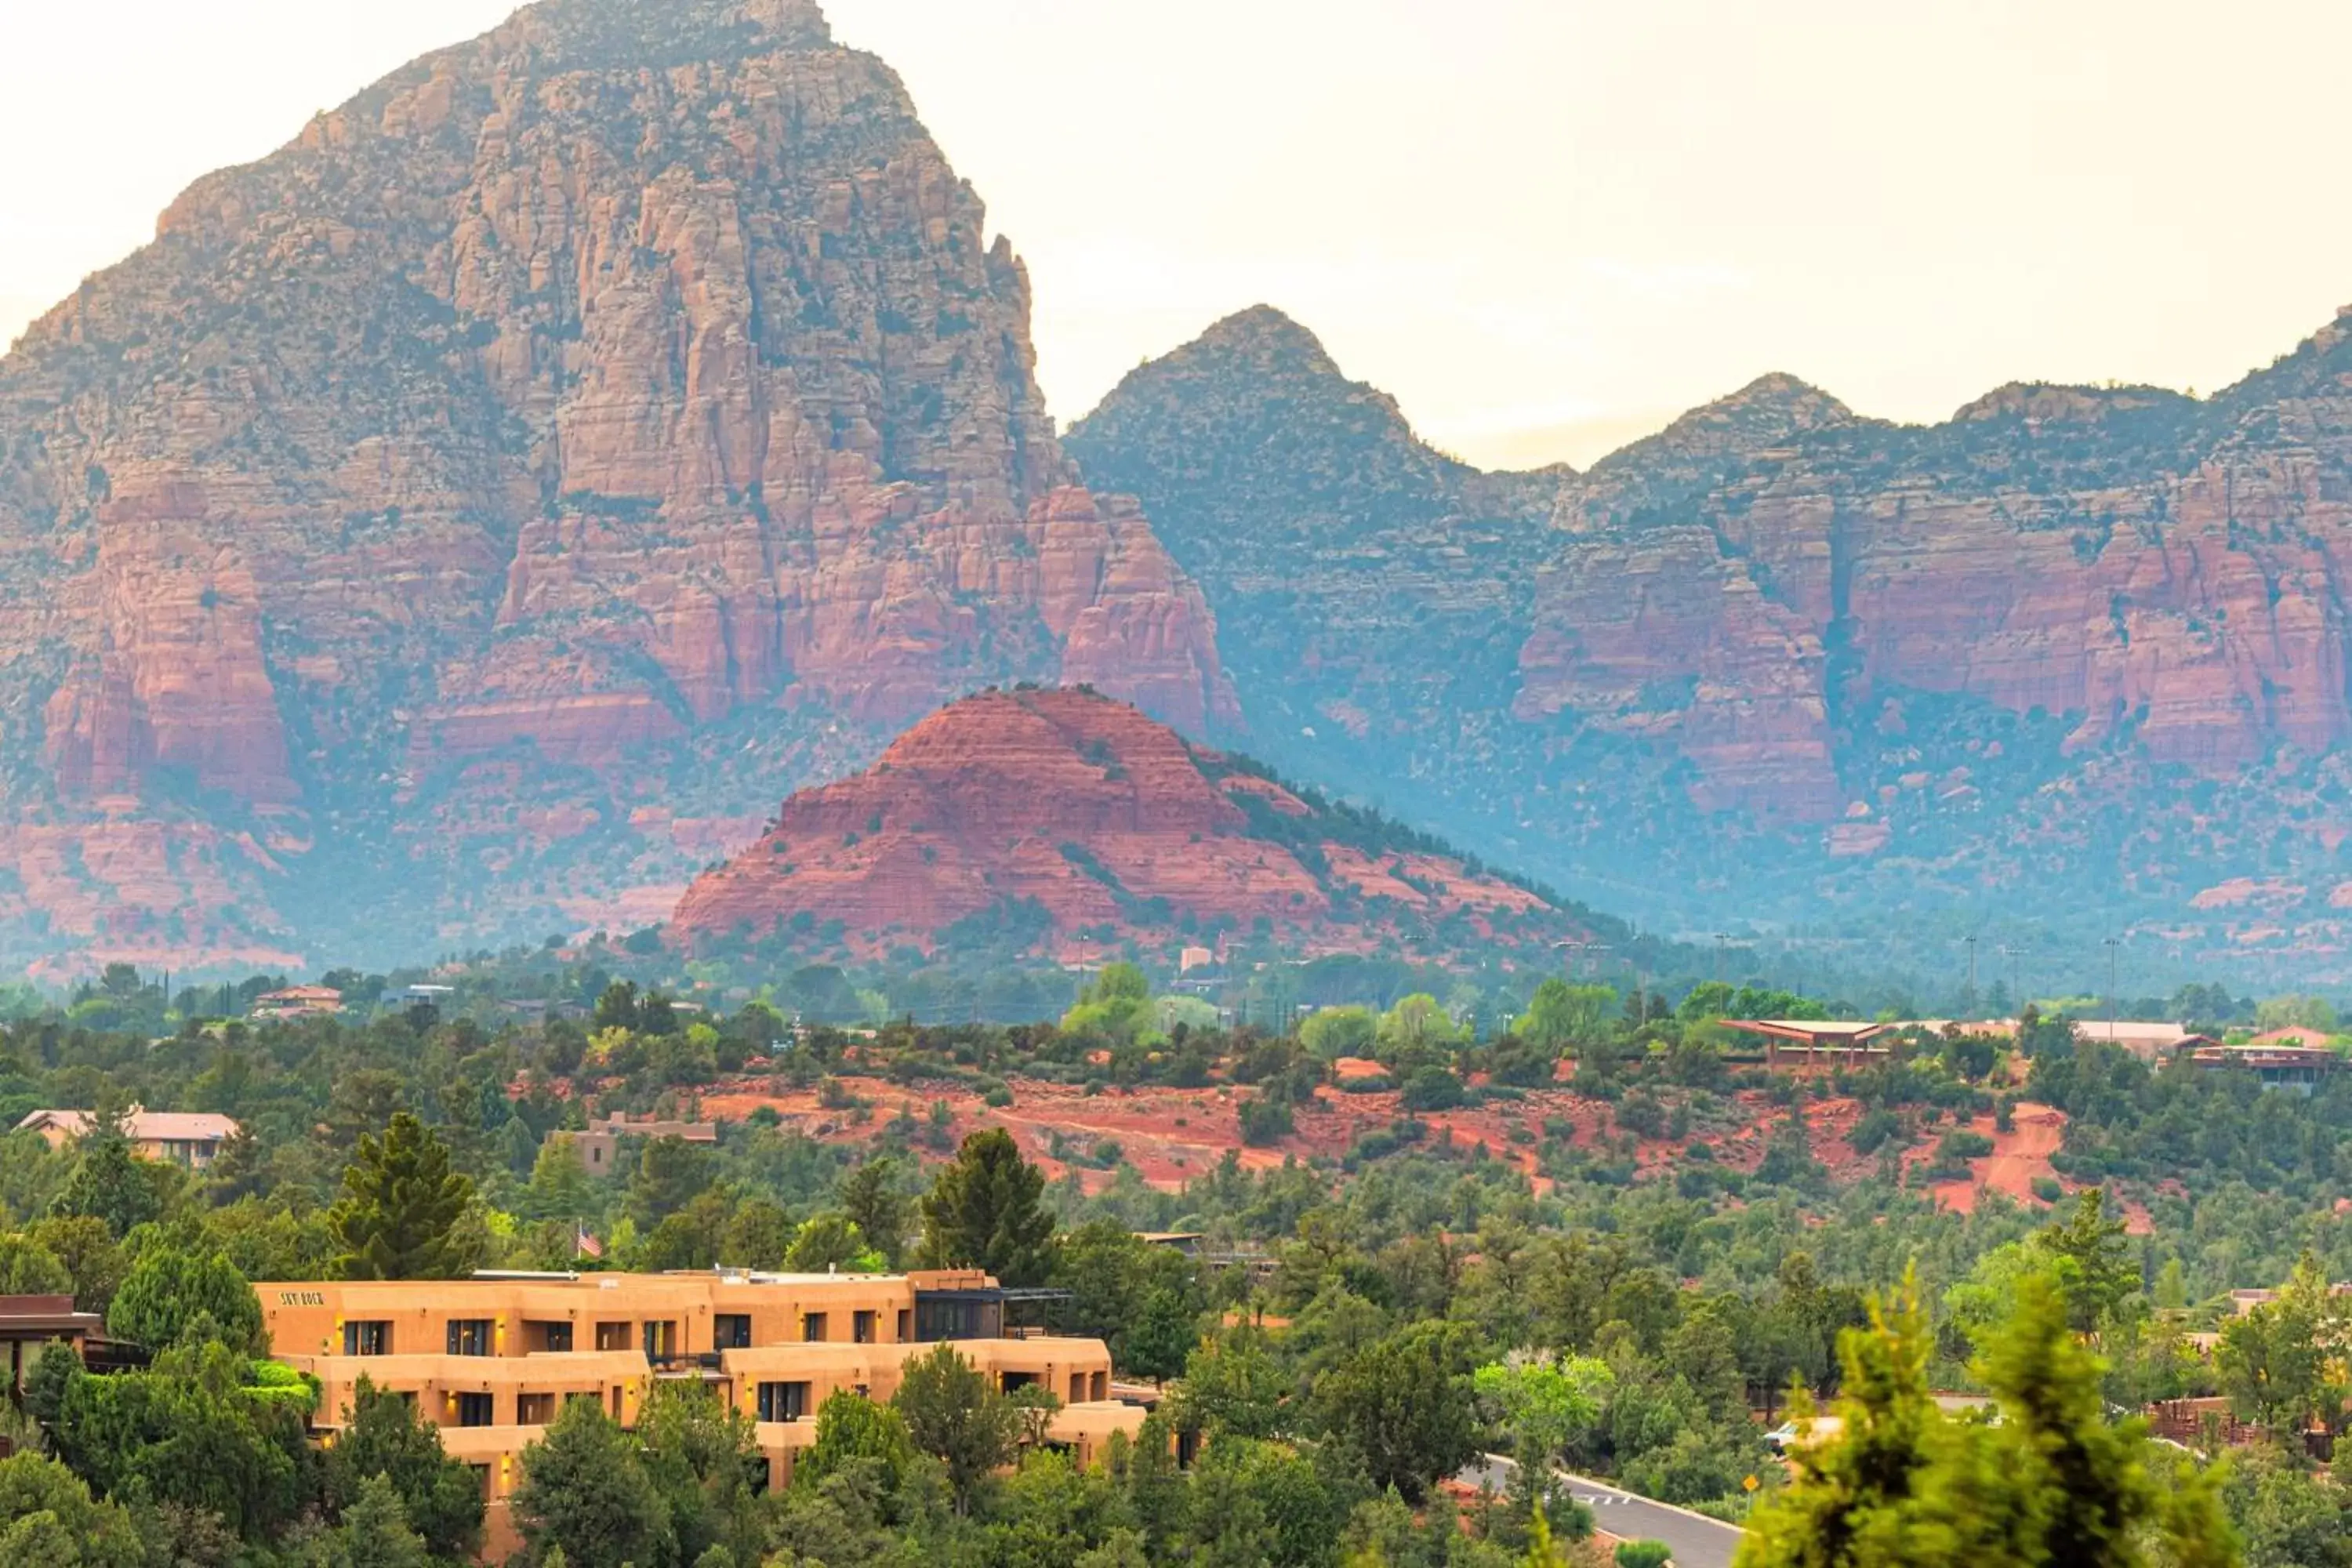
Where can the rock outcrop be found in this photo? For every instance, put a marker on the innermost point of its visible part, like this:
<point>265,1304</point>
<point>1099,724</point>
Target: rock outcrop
<point>1373,593</point>
<point>1054,813</point>
<point>584,397</point>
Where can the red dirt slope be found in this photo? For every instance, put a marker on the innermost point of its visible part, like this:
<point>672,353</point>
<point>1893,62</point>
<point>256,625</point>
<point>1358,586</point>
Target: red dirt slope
<point>1099,814</point>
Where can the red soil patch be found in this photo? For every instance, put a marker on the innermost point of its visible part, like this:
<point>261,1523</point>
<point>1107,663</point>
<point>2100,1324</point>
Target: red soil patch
<point>1175,1135</point>
<point>2020,1157</point>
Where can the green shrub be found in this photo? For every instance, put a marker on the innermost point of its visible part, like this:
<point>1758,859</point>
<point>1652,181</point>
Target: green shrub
<point>1265,1122</point>
<point>1872,1130</point>
<point>1432,1088</point>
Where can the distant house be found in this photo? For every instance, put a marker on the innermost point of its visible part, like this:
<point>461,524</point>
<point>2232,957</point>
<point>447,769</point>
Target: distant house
<point>1801,1043</point>
<point>1187,1242</point>
<point>431,995</point>
<point>192,1138</point>
<point>2293,1035</point>
<point>599,1147</point>
<point>2149,1042</point>
<point>28,1324</point>
<point>299,1002</point>
<point>2300,1069</point>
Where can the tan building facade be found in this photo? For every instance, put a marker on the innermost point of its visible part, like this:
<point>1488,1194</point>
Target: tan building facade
<point>492,1360</point>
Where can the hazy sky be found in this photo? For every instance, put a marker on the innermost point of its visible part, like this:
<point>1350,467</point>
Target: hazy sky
<point>1545,225</point>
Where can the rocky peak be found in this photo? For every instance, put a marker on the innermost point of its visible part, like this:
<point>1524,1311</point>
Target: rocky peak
<point>2044,403</point>
<point>636,373</point>
<point>1266,339</point>
<point>1084,811</point>
<point>657,34</point>
<point>1767,412</point>
<point>1658,477</point>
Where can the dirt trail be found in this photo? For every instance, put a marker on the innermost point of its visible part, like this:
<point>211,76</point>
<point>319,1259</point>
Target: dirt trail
<point>2020,1157</point>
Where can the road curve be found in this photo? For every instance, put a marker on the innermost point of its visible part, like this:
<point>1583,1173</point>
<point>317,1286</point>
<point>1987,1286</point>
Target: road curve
<point>1698,1541</point>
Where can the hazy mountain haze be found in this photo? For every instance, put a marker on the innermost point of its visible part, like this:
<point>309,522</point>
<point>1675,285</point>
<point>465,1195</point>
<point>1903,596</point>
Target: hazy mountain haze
<point>1546,226</point>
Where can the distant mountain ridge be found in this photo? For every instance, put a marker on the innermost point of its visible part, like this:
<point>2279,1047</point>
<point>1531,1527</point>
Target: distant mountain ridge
<point>1817,662</point>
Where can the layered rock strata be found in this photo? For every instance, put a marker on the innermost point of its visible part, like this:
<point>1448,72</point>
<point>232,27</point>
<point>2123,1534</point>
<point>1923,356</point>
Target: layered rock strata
<point>635,368</point>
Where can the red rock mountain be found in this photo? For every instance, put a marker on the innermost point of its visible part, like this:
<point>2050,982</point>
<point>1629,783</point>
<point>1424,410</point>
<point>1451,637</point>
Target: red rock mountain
<point>457,517</point>
<point>2092,641</point>
<point>1081,812</point>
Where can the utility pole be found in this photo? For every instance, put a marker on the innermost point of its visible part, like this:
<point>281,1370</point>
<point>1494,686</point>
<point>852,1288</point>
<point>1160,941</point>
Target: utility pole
<point>1722,943</point>
<point>2112,946</point>
<point>2011,954</point>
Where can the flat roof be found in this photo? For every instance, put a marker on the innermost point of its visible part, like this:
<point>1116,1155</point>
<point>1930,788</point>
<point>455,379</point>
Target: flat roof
<point>681,1280</point>
<point>1808,1030</point>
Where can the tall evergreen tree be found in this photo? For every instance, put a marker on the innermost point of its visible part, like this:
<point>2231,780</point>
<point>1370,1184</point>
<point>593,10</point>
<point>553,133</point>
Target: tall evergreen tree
<point>953,1414</point>
<point>401,1205</point>
<point>584,1495</point>
<point>985,1211</point>
<point>382,1438</point>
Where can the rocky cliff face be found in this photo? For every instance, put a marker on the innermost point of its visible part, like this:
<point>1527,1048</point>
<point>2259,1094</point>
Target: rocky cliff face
<point>1063,813</point>
<point>1791,655</point>
<point>1373,594</point>
<point>631,388</point>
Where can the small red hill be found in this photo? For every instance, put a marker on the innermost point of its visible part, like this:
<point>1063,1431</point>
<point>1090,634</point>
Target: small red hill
<point>1086,808</point>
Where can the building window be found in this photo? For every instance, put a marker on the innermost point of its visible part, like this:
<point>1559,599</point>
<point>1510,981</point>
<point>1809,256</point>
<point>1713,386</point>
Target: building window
<point>534,1409</point>
<point>1012,1380</point>
<point>731,1331</point>
<point>906,1325</point>
<point>959,1315</point>
<point>371,1337</point>
<point>612,1336</point>
<point>482,1479</point>
<point>813,1327</point>
<point>783,1401</point>
<point>661,1340</point>
<point>1101,1387</point>
<point>475,1410</point>
<point>861,1328</point>
<point>469,1336</point>
<point>548,1336</point>
<point>1078,1388</point>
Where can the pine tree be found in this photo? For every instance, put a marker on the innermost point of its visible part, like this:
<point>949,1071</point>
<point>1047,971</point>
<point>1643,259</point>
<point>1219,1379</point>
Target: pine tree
<point>400,1209</point>
<point>1900,1485</point>
<point>985,1212</point>
<point>375,1532</point>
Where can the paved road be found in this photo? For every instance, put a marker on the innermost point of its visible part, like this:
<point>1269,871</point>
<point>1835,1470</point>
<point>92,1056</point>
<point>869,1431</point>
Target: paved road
<point>1698,1541</point>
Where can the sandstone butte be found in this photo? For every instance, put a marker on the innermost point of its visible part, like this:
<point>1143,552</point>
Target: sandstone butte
<point>1096,816</point>
<point>613,418</point>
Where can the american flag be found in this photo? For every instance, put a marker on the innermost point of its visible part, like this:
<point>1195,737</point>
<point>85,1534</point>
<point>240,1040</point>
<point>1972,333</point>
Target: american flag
<point>583,1245</point>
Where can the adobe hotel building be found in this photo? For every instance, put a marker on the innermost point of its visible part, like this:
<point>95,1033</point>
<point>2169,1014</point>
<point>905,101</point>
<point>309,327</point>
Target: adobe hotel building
<point>490,1360</point>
